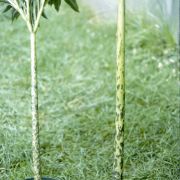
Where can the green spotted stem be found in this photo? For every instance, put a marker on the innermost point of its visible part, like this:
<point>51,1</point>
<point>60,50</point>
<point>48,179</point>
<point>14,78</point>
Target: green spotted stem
<point>120,94</point>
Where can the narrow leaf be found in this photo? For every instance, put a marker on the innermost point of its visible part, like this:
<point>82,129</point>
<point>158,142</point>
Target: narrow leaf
<point>8,7</point>
<point>15,14</point>
<point>57,4</point>
<point>73,4</point>
<point>44,15</point>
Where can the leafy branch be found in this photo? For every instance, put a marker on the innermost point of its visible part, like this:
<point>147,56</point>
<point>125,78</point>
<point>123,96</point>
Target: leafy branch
<point>32,10</point>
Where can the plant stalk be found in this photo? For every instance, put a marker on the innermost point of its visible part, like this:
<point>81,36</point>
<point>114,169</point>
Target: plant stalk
<point>120,94</point>
<point>35,121</point>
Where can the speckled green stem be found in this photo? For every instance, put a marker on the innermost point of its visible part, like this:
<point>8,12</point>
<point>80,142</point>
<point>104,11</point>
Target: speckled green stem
<point>35,121</point>
<point>120,94</point>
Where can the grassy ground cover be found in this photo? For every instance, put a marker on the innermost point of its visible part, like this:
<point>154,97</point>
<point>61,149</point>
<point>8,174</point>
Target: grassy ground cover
<point>77,99</point>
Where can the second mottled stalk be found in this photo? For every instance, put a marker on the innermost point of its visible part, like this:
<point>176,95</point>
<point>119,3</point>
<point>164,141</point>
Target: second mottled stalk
<point>120,94</point>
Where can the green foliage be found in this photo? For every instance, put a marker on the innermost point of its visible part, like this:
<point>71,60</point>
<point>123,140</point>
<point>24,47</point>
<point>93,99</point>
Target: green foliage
<point>72,4</point>
<point>57,4</point>
<point>8,7</point>
<point>34,4</point>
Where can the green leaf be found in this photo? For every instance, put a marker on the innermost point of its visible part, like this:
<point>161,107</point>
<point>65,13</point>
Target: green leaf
<point>56,3</point>
<point>8,7</point>
<point>44,15</point>
<point>73,4</point>
<point>15,14</point>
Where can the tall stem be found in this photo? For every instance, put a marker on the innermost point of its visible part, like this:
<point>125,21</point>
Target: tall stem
<point>120,93</point>
<point>35,121</point>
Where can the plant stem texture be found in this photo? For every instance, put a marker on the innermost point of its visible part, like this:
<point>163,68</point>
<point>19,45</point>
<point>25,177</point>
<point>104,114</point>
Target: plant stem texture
<point>120,94</point>
<point>35,121</point>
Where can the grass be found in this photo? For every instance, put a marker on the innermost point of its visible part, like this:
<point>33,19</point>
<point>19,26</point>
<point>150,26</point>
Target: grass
<point>77,99</point>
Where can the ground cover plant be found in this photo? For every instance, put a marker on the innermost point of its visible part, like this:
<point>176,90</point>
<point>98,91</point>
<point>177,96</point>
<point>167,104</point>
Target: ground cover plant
<point>77,99</point>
